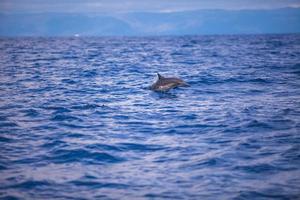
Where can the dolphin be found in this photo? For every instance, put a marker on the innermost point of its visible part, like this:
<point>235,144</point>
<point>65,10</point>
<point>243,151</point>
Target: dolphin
<point>164,84</point>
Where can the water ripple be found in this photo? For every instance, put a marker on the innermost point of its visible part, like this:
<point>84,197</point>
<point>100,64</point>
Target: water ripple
<point>78,121</point>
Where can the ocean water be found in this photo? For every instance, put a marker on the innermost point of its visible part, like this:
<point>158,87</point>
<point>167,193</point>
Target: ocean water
<point>77,120</point>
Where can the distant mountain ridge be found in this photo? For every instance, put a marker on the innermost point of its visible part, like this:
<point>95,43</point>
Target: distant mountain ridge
<point>286,20</point>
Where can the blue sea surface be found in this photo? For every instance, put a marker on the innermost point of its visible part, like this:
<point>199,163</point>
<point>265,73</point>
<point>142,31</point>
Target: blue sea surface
<point>77,120</point>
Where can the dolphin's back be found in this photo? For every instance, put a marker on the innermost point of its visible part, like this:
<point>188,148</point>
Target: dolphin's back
<point>165,84</point>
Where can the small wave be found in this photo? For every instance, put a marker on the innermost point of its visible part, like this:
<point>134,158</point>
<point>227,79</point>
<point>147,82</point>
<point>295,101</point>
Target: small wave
<point>8,124</point>
<point>259,80</point>
<point>29,184</point>
<point>5,139</point>
<point>255,124</point>
<point>80,155</point>
<point>85,106</point>
<point>291,154</point>
<point>11,107</point>
<point>95,185</point>
<point>75,135</point>
<point>104,147</point>
<point>187,45</point>
<point>2,167</point>
<point>251,145</point>
<point>139,147</point>
<point>54,143</point>
<point>10,197</point>
<point>164,195</point>
<point>74,125</point>
<point>207,163</point>
<point>37,60</point>
<point>189,117</point>
<point>282,124</point>
<point>31,112</point>
<point>57,109</point>
<point>89,73</point>
<point>68,81</point>
<point>177,54</point>
<point>64,117</point>
<point>256,169</point>
<point>276,194</point>
<point>3,118</point>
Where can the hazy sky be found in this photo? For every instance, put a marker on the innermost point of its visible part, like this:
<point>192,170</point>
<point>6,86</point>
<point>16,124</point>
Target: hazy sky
<point>111,6</point>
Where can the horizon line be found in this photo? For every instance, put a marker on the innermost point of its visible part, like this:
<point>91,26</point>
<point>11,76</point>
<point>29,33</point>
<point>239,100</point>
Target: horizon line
<point>151,11</point>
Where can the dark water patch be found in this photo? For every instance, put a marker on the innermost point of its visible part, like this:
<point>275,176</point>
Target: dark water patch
<point>252,109</point>
<point>84,125</point>
<point>136,123</point>
<point>57,109</point>
<point>139,147</point>
<point>187,45</point>
<point>5,139</point>
<point>257,169</point>
<point>68,81</point>
<point>89,73</point>
<point>297,72</point>
<point>177,53</point>
<point>74,135</point>
<point>37,60</point>
<point>3,118</point>
<point>73,125</point>
<point>10,106</point>
<point>86,106</point>
<point>80,155</point>
<point>208,80</point>
<point>211,163</point>
<point>254,92</point>
<point>121,117</point>
<point>2,167</point>
<point>295,69</point>
<point>258,125</point>
<point>29,185</point>
<point>260,80</point>
<point>249,145</point>
<point>292,154</point>
<point>240,80</point>
<point>189,117</point>
<point>70,57</point>
<point>97,185</point>
<point>296,66</point>
<point>42,89</point>
<point>54,143</point>
<point>48,127</point>
<point>9,197</point>
<point>199,126</point>
<point>64,117</point>
<point>8,124</point>
<point>281,124</point>
<point>31,112</point>
<point>233,130</point>
<point>103,147</point>
<point>161,196</point>
<point>265,195</point>
<point>37,160</point>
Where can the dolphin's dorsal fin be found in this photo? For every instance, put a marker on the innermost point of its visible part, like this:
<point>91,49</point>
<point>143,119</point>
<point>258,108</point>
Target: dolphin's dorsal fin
<point>159,76</point>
